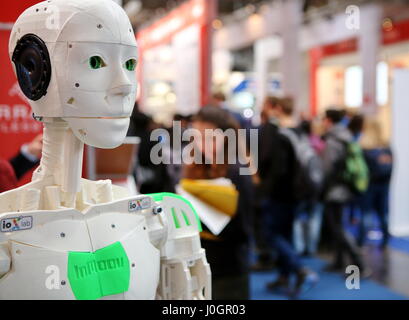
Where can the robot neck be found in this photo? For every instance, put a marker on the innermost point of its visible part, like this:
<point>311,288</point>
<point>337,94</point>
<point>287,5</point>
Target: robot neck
<point>61,159</point>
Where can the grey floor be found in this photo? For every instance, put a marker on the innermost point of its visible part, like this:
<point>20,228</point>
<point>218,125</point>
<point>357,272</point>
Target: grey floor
<point>390,268</point>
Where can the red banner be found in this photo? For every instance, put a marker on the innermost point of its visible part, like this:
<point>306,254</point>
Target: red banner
<point>162,31</point>
<point>10,10</point>
<point>17,125</point>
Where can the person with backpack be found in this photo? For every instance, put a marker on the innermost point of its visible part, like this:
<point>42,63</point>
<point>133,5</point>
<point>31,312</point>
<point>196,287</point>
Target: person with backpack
<point>355,125</point>
<point>346,175</point>
<point>277,170</point>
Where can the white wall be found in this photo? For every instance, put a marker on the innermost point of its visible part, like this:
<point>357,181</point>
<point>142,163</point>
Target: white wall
<point>264,51</point>
<point>242,33</point>
<point>399,213</point>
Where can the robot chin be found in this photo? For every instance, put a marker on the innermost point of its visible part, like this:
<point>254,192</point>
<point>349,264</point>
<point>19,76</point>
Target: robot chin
<point>104,133</point>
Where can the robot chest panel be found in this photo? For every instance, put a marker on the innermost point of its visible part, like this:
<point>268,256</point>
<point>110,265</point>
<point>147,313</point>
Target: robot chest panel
<point>120,262</point>
<point>131,233</point>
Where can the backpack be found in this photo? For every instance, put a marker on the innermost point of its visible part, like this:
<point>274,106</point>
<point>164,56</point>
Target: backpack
<point>309,175</point>
<point>355,173</point>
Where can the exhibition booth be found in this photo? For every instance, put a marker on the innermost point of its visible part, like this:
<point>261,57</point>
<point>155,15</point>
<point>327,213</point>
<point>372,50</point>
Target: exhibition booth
<point>338,74</point>
<point>328,64</point>
<point>174,65</point>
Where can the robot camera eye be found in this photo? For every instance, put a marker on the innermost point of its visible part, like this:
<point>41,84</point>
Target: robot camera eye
<point>96,62</point>
<point>130,64</point>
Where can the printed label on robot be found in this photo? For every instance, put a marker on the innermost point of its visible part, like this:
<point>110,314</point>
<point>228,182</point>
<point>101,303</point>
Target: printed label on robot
<point>139,204</point>
<point>16,224</point>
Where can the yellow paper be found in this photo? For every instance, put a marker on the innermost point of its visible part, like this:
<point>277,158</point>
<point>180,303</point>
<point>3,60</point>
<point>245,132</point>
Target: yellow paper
<point>221,197</point>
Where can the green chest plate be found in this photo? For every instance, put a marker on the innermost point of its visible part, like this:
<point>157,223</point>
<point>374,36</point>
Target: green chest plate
<point>94,275</point>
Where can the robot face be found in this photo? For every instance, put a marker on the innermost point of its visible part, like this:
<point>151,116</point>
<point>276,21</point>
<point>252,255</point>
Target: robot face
<point>100,91</point>
<point>83,70</point>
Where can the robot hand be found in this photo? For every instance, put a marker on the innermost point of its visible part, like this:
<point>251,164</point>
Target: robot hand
<point>186,278</point>
<point>185,273</point>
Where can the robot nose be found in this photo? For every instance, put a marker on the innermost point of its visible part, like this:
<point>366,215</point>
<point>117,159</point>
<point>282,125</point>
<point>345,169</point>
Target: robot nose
<point>121,85</point>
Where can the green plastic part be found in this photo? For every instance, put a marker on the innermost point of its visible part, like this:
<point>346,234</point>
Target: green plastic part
<point>93,275</point>
<point>175,219</point>
<point>186,218</point>
<point>159,197</point>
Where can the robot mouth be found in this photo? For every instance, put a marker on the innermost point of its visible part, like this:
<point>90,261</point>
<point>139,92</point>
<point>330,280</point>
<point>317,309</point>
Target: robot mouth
<point>105,118</point>
<point>112,118</point>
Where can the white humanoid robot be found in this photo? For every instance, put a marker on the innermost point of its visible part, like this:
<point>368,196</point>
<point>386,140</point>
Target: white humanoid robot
<point>63,237</point>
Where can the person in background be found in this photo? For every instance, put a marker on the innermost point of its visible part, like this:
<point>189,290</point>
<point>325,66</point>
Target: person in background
<point>140,126</point>
<point>307,225</point>
<point>285,113</point>
<point>150,178</point>
<point>219,100</point>
<point>8,178</point>
<point>379,158</point>
<point>227,253</point>
<point>139,123</point>
<point>355,127</point>
<point>184,120</point>
<point>346,118</point>
<point>26,159</point>
<point>175,168</point>
<point>264,260</point>
<point>336,192</point>
<point>277,167</point>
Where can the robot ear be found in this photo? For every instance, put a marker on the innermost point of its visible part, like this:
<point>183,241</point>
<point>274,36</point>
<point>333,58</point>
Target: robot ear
<point>33,66</point>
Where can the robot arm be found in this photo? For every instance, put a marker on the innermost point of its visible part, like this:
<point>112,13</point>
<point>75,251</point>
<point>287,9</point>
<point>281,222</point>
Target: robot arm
<point>185,273</point>
<point>5,260</point>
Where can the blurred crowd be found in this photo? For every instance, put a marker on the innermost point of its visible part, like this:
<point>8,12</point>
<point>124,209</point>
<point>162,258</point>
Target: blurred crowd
<point>312,175</point>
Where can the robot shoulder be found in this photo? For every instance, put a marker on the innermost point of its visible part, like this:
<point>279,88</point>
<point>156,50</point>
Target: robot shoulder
<point>182,217</point>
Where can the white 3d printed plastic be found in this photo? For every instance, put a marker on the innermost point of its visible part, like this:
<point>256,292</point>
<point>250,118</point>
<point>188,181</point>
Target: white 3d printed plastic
<point>63,237</point>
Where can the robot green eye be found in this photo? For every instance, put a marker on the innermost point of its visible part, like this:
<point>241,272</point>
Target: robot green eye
<point>130,65</point>
<point>96,62</point>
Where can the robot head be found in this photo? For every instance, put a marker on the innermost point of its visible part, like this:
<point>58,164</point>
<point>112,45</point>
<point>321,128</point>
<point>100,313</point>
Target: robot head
<point>75,60</point>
